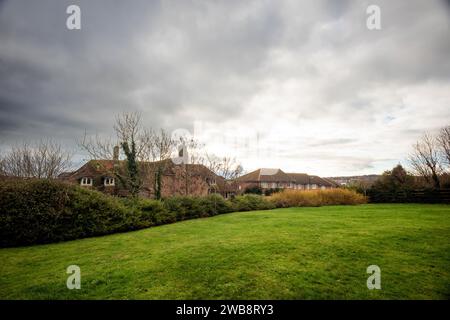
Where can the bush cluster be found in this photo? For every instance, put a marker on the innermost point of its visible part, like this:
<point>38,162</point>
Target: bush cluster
<point>316,198</point>
<point>249,202</point>
<point>43,211</point>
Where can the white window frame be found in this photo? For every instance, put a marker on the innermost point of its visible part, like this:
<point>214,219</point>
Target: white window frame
<point>109,182</point>
<point>86,181</point>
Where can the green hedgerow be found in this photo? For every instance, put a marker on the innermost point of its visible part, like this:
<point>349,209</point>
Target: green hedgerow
<point>250,202</point>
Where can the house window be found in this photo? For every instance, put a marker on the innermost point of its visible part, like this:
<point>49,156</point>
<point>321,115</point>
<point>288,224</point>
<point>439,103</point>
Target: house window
<point>109,182</point>
<point>229,195</point>
<point>86,181</point>
<point>314,186</point>
<point>264,185</point>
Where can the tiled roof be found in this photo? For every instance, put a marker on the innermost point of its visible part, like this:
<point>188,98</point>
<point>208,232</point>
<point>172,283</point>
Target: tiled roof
<point>300,178</point>
<point>277,175</point>
<point>266,174</point>
<point>321,181</point>
<point>105,167</point>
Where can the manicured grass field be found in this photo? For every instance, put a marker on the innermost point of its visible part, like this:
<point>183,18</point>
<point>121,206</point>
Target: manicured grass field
<point>297,253</point>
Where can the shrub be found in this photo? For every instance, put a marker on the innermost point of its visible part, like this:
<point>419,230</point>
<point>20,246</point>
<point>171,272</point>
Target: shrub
<point>296,198</point>
<point>269,192</point>
<point>188,207</point>
<point>41,211</point>
<point>394,185</point>
<point>341,196</point>
<point>184,207</point>
<point>315,198</point>
<point>253,190</point>
<point>151,212</point>
<point>214,204</point>
<point>250,202</point>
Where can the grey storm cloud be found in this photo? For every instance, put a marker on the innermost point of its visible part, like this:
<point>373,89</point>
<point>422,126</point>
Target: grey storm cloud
<point>260,64</point>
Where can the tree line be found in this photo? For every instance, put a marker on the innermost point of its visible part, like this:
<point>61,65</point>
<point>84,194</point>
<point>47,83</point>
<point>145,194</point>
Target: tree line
<point>138,152</point>
<point>430,158</point>
<point>429,164</point>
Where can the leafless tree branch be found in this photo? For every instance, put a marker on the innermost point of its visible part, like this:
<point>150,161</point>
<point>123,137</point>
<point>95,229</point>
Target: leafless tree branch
<point>43,159</point>
<point>425,159</point>
<point>443,140</point>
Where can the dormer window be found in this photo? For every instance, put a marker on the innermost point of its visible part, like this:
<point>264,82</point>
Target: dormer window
<point>85,181</point>
<point>108,182</point>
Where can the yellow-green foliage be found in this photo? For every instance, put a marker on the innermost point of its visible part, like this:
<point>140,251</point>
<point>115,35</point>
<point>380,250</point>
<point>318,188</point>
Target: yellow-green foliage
<point>316,198</point>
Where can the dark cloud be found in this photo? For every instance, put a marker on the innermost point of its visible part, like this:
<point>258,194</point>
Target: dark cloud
<point>265,65</point>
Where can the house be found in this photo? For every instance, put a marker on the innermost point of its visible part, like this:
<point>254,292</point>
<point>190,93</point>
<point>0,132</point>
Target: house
<point>267,178</point>
<point>176,179</point>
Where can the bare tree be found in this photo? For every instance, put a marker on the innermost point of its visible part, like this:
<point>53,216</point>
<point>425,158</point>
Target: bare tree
<point>226,167</point>
<point>98,147</point>
<point>425,159</point>
<point>129,137</point>
<point>45,159</point>
<point>443,140</point>
<point>128,129</point>
<point>145,153</point>
<point>162,145</point>
<point>159,147</point>
<point>139,149</point>
<point>2,166</point>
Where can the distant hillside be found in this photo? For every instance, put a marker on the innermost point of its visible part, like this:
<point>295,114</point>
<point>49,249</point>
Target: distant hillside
<point>369,179</point>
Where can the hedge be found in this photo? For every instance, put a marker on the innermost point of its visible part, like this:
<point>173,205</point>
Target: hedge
<point>44,211</point>
<point>250,202</point>
<point>316,198</point>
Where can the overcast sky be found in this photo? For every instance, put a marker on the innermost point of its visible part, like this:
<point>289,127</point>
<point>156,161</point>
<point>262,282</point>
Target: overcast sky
<point>299,85</point>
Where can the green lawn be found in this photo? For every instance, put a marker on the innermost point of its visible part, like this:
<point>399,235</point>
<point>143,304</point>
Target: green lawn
<point>297,253</point>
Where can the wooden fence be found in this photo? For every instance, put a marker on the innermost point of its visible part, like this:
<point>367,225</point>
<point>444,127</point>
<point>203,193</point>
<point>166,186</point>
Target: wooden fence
<point>412,196</point>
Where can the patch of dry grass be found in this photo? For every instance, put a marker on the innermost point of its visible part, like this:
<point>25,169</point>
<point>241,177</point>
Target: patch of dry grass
<point>316,198</point>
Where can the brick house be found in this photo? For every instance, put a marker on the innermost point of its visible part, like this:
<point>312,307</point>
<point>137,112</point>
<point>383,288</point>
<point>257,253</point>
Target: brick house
<point>265,179</point>
<point>176,179</point>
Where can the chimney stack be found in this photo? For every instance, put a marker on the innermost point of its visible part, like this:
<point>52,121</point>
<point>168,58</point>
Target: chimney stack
<point>116,153</point>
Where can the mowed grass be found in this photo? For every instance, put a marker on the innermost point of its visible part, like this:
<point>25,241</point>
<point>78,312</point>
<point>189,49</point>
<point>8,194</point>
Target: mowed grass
<point>295,253</point>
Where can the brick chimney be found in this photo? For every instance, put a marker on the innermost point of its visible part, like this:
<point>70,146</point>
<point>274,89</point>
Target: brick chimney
<point>116,153</point>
